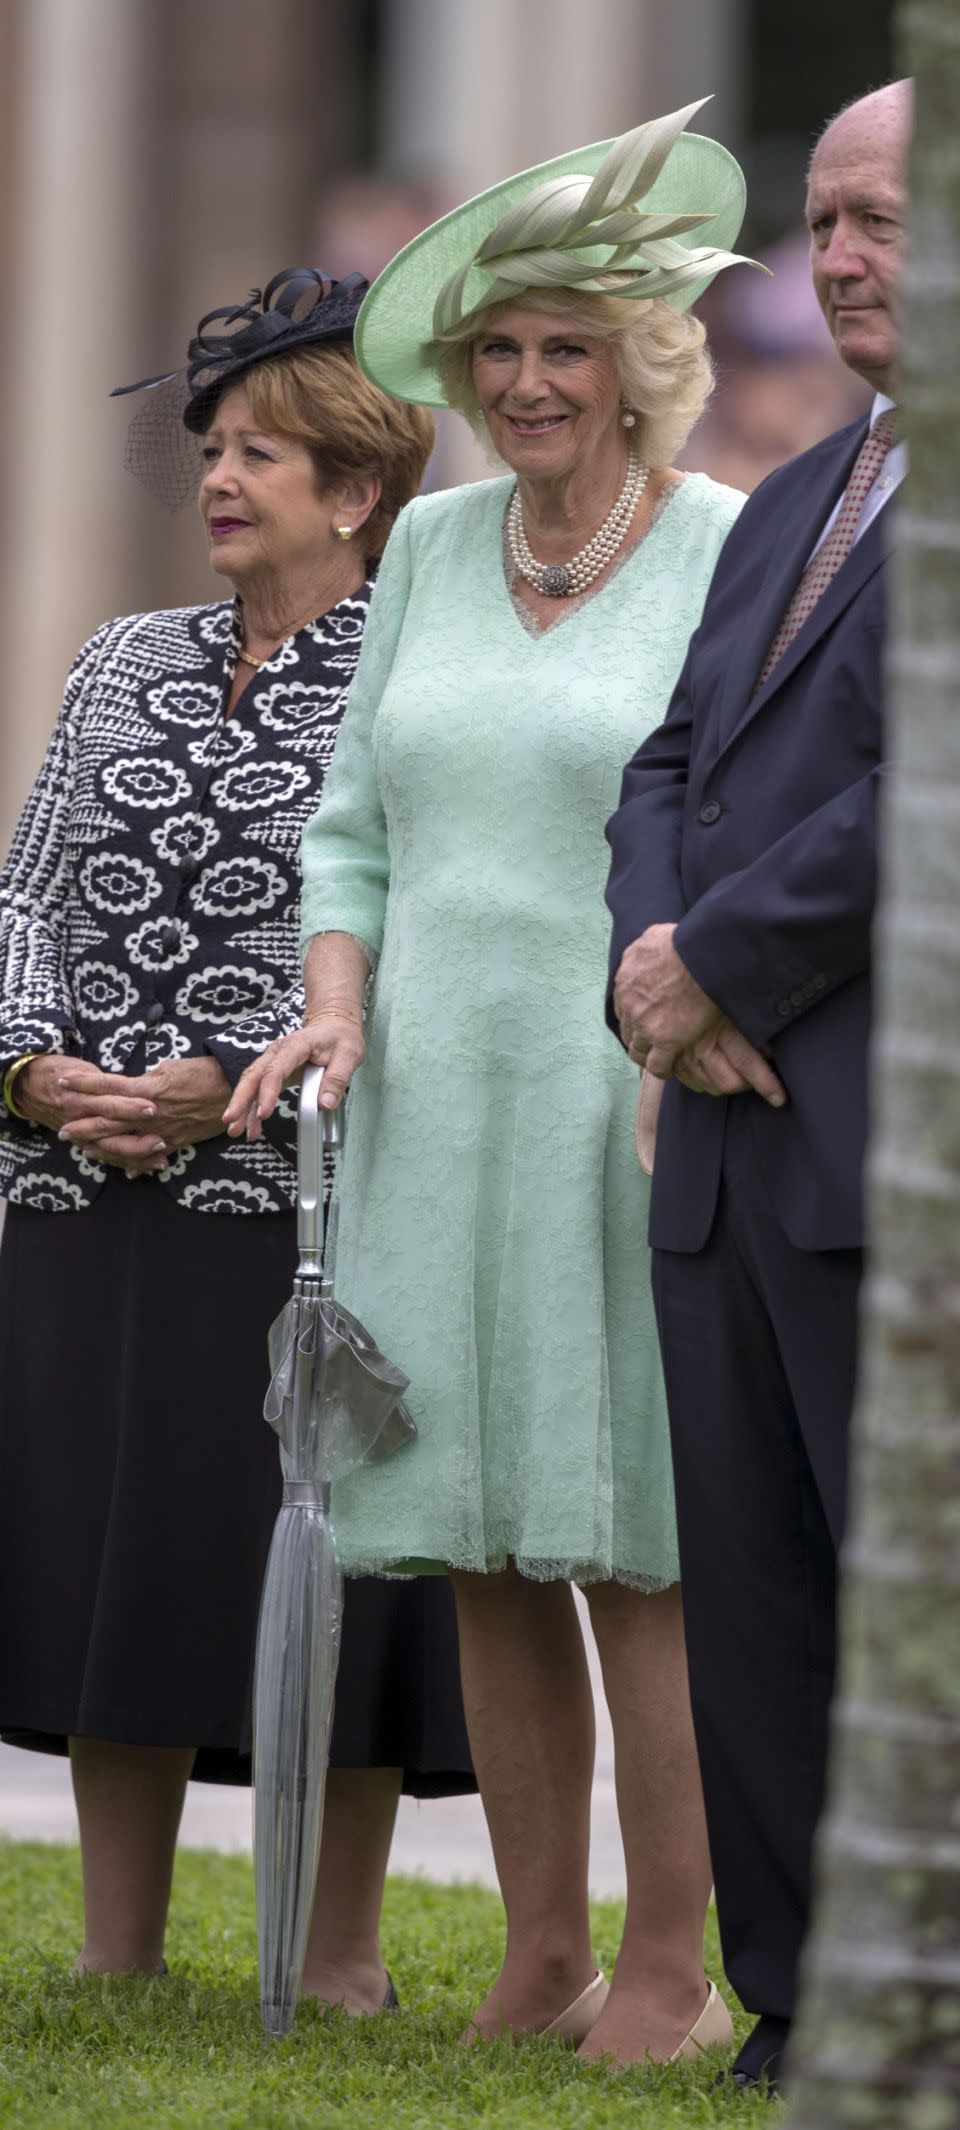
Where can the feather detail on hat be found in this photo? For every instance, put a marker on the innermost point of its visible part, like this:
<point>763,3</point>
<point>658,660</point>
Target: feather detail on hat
<point>653,214</point>
<point>551,238</point>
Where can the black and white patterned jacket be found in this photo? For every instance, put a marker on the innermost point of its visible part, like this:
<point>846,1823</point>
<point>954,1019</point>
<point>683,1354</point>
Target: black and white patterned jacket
<point>149,906</point>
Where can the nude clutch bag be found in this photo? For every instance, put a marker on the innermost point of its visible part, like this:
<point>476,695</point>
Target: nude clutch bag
<point>645,1129</point>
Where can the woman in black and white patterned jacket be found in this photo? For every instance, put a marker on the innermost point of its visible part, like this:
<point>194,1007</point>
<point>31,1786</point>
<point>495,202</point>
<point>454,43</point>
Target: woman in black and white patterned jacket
<point>148,951</point>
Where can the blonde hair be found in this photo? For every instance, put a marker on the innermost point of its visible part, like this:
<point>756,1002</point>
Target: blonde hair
<point>665,372</point>
<point>321,397</point>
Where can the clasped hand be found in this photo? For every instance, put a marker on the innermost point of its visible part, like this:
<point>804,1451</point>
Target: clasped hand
<point>671,1027</point>
<point>133,1124</point>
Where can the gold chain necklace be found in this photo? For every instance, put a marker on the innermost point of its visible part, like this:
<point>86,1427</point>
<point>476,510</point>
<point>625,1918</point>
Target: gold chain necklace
<point>259,663</point>
<point>247,658</point>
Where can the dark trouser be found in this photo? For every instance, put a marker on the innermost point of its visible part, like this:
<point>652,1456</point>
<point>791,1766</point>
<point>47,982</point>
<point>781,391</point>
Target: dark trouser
<point>759,1350</point>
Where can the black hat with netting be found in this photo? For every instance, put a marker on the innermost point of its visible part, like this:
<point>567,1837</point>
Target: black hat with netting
<point>299,308</point>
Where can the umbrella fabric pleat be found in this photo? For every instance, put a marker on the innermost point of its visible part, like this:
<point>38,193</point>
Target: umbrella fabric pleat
<point>298,1646</point>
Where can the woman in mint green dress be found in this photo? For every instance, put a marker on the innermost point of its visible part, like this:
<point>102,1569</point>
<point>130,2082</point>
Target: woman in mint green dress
<point>525,634</point>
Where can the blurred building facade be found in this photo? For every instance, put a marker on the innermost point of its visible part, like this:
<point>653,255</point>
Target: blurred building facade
<point>160,157</point>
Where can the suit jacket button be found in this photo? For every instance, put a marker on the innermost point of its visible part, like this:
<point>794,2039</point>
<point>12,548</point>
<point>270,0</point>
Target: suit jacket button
<point>710,813</point>
<point>154,1013</point>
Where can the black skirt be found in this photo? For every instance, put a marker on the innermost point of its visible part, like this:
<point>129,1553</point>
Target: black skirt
<point>138,1489</point>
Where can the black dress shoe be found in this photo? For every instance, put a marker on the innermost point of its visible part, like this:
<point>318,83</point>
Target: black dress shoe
<point>760,2059</point>
<point>391,2002</point>
<point>747,2083</point>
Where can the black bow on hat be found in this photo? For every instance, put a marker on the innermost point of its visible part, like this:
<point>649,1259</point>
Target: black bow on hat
<point>299,308</point>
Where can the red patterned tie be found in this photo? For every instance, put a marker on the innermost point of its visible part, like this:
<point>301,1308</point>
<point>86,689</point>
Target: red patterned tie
<point>836,547</point>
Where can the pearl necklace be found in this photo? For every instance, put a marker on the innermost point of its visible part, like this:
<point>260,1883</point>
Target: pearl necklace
<point>563,580</point>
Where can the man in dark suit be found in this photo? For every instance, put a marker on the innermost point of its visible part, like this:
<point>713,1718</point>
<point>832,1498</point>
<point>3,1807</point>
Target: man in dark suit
<point>742,892</point>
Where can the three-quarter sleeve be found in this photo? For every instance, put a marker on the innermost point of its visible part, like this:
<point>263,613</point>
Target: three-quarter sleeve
<point>36,1006</point>
<point>345,856</point>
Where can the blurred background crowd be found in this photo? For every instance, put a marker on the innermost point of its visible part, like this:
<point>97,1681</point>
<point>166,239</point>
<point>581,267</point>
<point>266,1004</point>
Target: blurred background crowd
<point>161,157</point>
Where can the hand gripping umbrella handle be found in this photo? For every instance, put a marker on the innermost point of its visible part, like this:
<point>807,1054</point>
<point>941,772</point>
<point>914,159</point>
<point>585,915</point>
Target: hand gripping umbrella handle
<point>317,1128</point>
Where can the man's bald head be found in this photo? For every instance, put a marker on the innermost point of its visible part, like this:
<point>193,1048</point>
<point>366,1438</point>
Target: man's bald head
<point>856,212</point>
<point>886,112</point>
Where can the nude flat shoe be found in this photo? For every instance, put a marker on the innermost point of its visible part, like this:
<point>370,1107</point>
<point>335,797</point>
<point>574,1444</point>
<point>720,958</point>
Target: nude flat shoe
<point>575,2023</point>
<point>713,2029</point>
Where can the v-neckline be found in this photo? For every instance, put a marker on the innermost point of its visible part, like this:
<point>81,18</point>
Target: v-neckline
<point>522,614</point>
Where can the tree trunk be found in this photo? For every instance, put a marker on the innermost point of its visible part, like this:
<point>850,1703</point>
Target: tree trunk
<point>878,2041</point>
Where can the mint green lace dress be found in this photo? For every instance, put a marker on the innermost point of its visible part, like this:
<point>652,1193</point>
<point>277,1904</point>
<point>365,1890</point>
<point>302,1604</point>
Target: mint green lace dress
<point>493,1215</point>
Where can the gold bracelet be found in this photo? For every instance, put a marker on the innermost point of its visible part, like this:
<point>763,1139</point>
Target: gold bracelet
<point>11,1076</point>
<point>330,1013</point>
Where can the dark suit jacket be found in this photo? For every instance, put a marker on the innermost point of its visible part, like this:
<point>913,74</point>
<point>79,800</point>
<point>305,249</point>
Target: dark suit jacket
<point>750,820</point>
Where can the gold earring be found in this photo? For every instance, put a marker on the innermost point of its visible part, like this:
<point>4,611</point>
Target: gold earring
<point>344,532</point>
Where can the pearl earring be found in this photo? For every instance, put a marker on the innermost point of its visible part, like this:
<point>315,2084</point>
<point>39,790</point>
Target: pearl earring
<point>344,532</point>
<point>628,419</point>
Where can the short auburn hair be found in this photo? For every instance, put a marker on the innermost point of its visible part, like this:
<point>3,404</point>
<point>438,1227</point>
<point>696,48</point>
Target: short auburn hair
<point>321,397</point>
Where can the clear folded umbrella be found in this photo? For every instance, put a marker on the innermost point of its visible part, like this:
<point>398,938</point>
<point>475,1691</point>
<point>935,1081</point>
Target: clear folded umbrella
<point>335,1402</point>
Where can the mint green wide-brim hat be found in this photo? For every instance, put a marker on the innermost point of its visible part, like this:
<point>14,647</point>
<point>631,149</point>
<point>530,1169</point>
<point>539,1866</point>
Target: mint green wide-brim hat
<point>560,225</point>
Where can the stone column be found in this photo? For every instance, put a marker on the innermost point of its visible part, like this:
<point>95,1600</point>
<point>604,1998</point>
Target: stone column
<point>255,102</point>
<point>700,50</point>
<point>70,524</point>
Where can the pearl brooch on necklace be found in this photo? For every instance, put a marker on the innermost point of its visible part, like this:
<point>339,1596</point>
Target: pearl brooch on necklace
<point>563,580</point>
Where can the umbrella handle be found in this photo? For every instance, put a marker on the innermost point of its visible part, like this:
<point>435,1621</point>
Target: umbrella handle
<point>317,1128</point>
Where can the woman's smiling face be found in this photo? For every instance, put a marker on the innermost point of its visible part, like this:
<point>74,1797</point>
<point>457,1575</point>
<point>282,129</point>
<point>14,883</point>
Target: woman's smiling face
<point>548,393</point>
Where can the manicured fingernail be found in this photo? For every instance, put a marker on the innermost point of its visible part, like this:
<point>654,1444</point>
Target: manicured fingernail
<point>157,1146</point>
<point>65,1133</point>
<point>328,1101</point>
<point>148,1109</point>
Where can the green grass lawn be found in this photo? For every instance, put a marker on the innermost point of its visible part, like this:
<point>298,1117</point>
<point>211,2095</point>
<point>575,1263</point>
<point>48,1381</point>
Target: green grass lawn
<point>188,2053</point>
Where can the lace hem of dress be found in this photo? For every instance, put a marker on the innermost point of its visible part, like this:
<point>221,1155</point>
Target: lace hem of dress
<point>581,1573</point>
<point>571,606</point>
